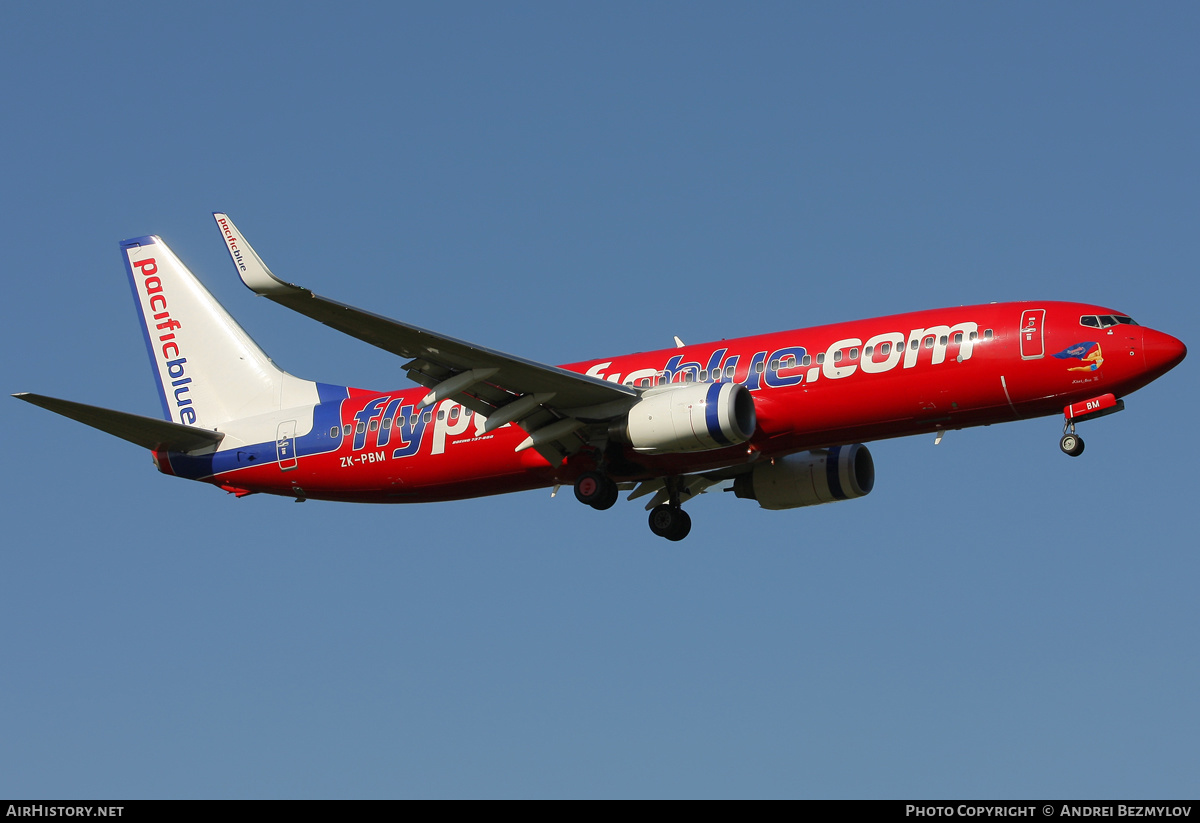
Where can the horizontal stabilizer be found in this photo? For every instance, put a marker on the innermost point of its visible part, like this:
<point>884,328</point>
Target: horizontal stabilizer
<point>149,432</point>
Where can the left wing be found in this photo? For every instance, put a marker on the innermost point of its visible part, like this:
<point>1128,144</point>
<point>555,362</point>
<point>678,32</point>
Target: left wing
<point>554,406</point>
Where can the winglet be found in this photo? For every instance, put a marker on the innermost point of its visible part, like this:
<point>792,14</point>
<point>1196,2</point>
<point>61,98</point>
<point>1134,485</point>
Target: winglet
<point>254,272</point>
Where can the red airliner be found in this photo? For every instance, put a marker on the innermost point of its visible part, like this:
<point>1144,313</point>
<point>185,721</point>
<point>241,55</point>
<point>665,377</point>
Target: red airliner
<point>778,418</point>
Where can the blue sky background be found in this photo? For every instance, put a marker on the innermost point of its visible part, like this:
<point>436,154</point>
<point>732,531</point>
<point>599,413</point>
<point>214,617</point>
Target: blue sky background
<point>565,181</point>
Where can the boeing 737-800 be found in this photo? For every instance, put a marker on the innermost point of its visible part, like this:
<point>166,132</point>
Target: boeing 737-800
<point>778,418</point>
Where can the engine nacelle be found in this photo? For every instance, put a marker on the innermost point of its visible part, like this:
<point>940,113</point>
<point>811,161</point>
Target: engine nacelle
<point>810,478</point>
<point>690,418</point>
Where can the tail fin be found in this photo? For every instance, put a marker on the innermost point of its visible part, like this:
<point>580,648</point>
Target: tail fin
<point>208,369</point>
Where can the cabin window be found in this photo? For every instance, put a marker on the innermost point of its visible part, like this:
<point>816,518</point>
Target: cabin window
<point>929,342</point>
<point>466,413</point>
<point>943,340</point>
<point>442,414</point>
<point>854,354</point>
<point>774,365</point>
<point>729,370</point>
<point>806,361</point>
<point>916,344</point>
<point>957,337</point>
<point>387,422</point>
<point>704,375</point>
<point>347,430</point>
<point>837,356</point>
<point>758,367</point>
<point>885,349</point>
<point>361,428</point>
<point>334,432</point>
<point>987,334</point>
<point>820,358</point>
<point>974,335</point>
<point>867,351</point>
<point>428,416</point>
<point>374,425</point>
<point>454,413</point>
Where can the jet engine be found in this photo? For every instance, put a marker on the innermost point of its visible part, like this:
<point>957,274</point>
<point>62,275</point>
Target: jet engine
<point>689,418</point>
<point>809,478</point>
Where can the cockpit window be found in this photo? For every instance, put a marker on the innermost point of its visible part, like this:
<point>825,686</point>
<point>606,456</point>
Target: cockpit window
<point>1104,321</point>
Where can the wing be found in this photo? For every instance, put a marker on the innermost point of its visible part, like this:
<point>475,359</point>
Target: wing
<point>556,407</point>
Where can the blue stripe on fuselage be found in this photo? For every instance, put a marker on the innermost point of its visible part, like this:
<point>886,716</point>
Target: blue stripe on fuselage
<point>327,414</point>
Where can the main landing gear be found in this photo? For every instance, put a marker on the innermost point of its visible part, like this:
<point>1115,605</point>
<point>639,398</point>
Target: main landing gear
<point>596,490</point>
<point>669,520</point>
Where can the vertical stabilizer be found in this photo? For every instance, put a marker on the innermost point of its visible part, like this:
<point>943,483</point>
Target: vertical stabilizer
<point>208,369</point>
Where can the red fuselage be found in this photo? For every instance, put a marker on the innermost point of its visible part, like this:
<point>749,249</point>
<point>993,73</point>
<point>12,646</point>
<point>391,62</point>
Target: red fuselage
<point>817,387</point>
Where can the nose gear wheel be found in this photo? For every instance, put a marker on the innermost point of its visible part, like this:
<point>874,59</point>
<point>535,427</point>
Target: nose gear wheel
<point>1071,443</point>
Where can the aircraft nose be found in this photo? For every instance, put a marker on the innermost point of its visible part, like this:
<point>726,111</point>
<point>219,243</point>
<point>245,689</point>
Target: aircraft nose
<point>1162,351</point>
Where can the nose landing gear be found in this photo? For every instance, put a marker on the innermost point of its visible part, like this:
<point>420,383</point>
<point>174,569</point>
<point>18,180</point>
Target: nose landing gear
<point>1089,409</point>
<point>1071,443</point>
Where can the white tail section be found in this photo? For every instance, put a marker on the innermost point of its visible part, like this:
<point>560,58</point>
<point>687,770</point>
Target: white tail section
<point>209,371</point>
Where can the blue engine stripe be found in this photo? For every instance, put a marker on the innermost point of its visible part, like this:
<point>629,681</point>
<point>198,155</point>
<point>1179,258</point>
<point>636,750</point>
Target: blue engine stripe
<point>712,416</point>
<point>832,476</point>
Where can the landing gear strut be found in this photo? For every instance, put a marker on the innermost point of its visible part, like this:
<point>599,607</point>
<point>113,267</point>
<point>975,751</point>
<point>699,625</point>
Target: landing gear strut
<point>1071,443</point>
<point>596,490</point>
